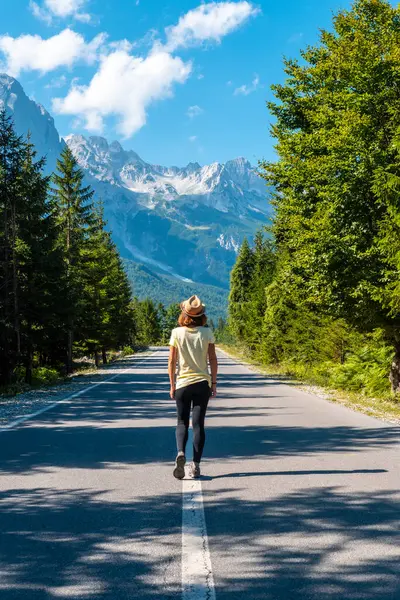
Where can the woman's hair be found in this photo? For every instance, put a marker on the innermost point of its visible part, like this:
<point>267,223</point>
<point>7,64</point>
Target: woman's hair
<point>186,321</point>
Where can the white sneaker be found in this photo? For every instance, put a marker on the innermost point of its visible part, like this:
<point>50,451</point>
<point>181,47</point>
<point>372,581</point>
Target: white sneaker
<point>194,470</point>
<point>179,471</point>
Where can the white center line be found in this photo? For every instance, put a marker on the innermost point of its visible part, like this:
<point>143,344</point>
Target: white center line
<point>197,577</point>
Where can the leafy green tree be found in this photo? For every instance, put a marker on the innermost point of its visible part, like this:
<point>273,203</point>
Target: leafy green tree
<point>337,179</point>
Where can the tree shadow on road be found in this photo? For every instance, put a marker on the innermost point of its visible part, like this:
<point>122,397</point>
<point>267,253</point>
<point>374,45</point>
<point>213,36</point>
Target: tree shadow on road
<point>131,420</point>
<point>309,544</point>
<point>312,544</point>
<point>79,544</point>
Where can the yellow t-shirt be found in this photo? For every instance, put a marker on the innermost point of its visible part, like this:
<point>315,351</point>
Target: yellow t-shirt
<point>192,344</point>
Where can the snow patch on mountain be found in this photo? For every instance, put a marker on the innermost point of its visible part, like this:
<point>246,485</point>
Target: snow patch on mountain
<point>228,242</point>
<point>141,257</point>
<point>225,187</point>
<point>186,221</point>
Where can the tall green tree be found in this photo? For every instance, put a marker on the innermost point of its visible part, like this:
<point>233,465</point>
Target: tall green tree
<point>120,322</point>
<point>263,273</point>
<point>40,274</point>
<point>170,321</point>
<point>11,160</point>
<point>106,320</point>
<point>337,178</point>
<point>75,217</point>
<point>240,286</point>
<point>147,322</point>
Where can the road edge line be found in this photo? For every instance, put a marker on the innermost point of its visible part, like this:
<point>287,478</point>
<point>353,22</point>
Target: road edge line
<point>17,422</point>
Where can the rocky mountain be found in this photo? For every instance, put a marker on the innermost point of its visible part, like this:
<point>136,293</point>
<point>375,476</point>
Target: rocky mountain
<point>185,222</point>
<point>33,117</point>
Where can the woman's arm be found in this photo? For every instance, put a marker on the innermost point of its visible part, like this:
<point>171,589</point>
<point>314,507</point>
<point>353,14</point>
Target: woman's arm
<point>212,359</point>
<point>173,355</point>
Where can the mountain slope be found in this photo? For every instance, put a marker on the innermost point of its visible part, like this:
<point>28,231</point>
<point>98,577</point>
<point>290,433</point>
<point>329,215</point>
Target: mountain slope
<point>167,289</point>
<point>185,221</point>
<point>33,117</point>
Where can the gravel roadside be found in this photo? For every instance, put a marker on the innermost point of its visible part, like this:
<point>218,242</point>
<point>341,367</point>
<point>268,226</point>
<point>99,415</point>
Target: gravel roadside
<point>25,403</point>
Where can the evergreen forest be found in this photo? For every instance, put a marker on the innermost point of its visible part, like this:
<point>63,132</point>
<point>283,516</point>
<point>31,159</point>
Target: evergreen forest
<point>64,292</point>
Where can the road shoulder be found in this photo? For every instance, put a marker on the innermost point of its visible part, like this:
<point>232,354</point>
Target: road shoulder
<point>386,411</point>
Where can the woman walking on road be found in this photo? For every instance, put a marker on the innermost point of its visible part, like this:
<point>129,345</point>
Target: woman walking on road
<point>192,345</point>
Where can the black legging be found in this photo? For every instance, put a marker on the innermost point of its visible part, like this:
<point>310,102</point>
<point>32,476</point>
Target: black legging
<point>197,394</point>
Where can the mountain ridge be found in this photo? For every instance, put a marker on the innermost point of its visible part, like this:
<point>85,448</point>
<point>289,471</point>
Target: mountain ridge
<point>186,222</point>
<point>31,116</point>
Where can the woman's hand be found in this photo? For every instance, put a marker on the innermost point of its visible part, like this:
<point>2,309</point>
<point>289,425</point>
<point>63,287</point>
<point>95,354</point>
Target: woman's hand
<point>172,392</point>
<point>214,390</point>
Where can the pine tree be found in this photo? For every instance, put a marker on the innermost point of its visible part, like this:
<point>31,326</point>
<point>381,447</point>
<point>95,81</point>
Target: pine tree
<point>74,219</point>
<point>11,160</point>
<point>263,273</point>
<point>39,263</point>
<point>170,321</point>
<point>147,322</point>
<point>240,284</point>
<point>106,319</point>
<point>120,325</point>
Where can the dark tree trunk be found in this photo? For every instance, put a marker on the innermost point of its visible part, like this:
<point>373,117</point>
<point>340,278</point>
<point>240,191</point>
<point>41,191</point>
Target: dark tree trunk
<point>6,366</point>
<point>96,358</point>
<point>15,282</point>
<point>104,355</point>
<point>395,370</point>
<point>69,352</point>
<point>29,363</point>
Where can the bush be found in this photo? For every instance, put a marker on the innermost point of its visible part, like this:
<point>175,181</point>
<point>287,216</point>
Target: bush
<point>44,375</point>
<point>366,369</point>
<point>127,350</point>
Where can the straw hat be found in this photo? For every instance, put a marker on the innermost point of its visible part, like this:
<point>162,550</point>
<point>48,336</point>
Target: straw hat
<point>193,307</point>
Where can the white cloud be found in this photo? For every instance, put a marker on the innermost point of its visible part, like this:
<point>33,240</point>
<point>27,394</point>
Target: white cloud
<point>57,82</point>
<point>245,90</point>
<point>64,8</point>
<point>124,86</point>
<point>33,53</point>
<point>40,13</point>
<point>194,111</point>
<point>192,138</point>
<point>208,22</point>
<point>60,9</point>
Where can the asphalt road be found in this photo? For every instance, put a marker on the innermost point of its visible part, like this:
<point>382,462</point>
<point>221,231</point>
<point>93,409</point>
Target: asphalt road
<point>301,497</point>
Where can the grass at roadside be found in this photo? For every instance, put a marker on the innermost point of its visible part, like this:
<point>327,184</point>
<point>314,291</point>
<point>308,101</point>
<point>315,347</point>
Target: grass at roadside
<point>381,408</point>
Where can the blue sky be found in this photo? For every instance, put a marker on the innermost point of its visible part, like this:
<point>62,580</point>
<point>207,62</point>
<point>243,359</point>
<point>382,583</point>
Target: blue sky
<point>193,92</point>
